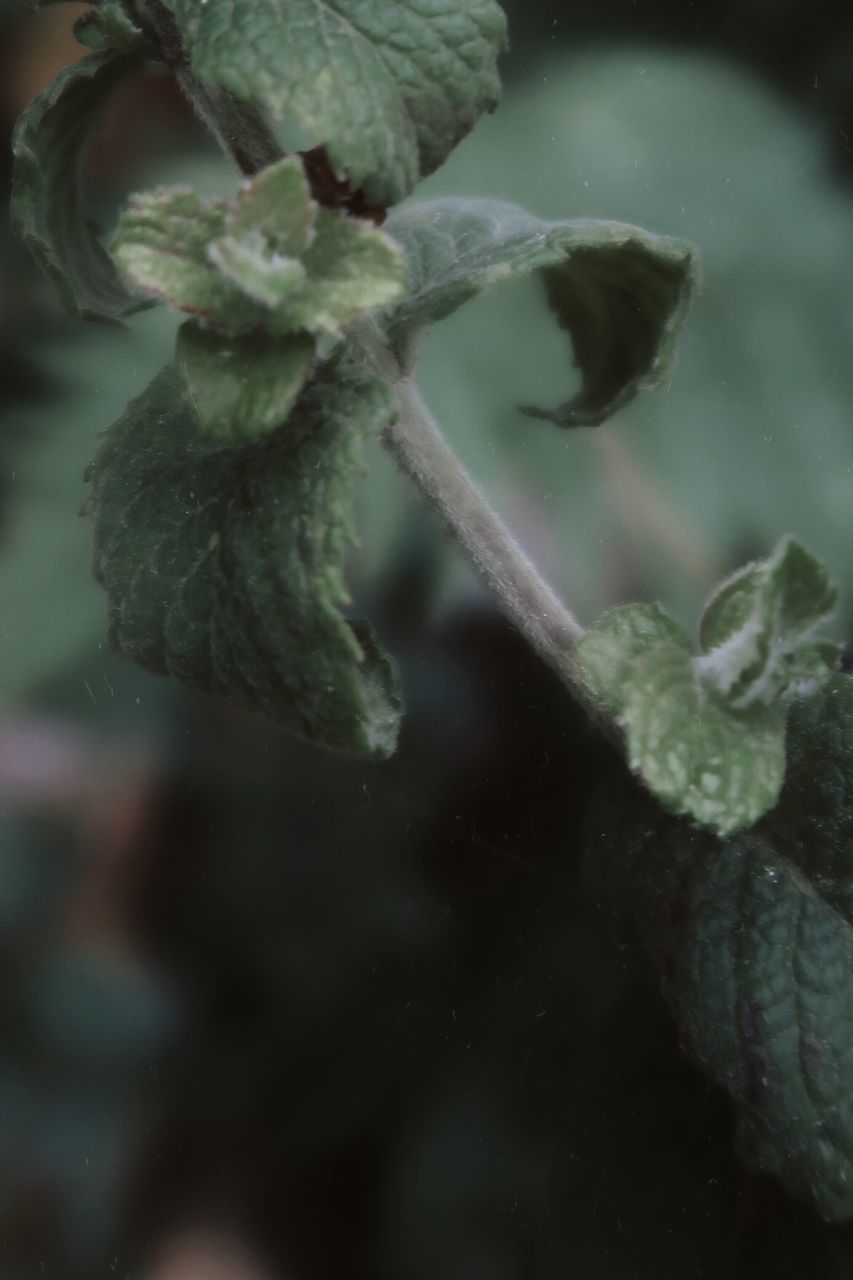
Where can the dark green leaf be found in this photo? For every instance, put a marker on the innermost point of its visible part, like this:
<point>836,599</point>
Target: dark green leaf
<point>620,292</point>
<point>388,86</point>
<point>223,566</point>
<point>753,937</point>
<point>47,209</point>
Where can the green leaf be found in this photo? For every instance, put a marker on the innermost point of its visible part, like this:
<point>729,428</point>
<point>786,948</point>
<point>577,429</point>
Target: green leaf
<point>351,267</point>
<point>223,566</point>
<point>248,265</point>
<point>607,653</point>
<point>388,86</point>
<point>702,746</point>
<point>753,938</point>
<point>695,754</point>
<point>756,633</point>
<point>47,197</point>
<point>242,387</point>
<point>269,258</point>
<point>162,247</point>
<point>277,206</point>
<point>620,292</point>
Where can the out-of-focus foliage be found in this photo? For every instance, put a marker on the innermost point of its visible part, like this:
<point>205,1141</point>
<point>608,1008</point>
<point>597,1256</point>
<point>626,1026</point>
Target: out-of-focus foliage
<point>360,1018</point>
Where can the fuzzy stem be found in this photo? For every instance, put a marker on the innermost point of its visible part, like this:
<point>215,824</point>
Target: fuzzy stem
<point>414,439</point>
<point>240,128</point>
<point>422,453</point>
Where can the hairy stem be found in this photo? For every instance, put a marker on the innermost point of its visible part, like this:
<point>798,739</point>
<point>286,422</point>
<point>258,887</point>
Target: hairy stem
<point>422,453</point>
<point>240,128</point>
<point>414,439</point>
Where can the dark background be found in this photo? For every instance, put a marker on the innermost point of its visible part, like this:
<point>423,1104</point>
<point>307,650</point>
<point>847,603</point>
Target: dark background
<point>267,1013</point>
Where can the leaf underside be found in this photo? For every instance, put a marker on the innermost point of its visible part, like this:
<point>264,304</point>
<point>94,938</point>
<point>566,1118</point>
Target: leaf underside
<point>48,208</point>
<point>619,292</point>
<point>753,939</point>
<point>222,566</point>
<point>388,86</point>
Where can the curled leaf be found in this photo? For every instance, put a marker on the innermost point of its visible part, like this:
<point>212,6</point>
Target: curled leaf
<point>757,630</point>
<point>621,293</point>
<point>48,208</point>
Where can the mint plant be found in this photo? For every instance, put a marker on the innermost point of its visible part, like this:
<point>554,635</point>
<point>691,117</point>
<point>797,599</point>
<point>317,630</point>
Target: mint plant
<point>220,500</point>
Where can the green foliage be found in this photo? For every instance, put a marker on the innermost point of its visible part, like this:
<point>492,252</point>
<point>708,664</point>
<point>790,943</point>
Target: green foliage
<point>620,292</point>
<point>223,566</point>
<point>756,633</point>
<point>388,86</point>
<point>621,637</point>
<point>262,273</point>
<point>268,259</point>
<point>753,937</point>
<point>47,209</point>
<point>220,499</point>
<point>707,733</point>
<point>698,757</point>
<point>242,387</point>
<point>161,246</point>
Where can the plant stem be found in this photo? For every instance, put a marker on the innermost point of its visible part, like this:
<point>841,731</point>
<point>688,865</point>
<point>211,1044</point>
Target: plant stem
<point>414,439</point>
<point>240,128</point>
<point>422,453</point>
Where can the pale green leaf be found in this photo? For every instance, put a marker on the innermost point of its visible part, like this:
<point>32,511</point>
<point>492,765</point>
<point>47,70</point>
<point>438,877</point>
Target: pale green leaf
<point>48,207</point>
<point>388,86</point>
<point>756,633</point>
<point>242,387</point>
<point>265,278</point>
<point>607,653</point>
<point>753,939</point>
<point>223,566</point>
<point>232,263</point>
<point>161,246</point>
<point>351,267</point>
<point>801,594</point>
<point>277,206</point>
<point>620,292</point>
<point>699,757</point>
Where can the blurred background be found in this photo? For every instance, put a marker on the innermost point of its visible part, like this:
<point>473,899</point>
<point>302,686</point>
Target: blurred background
<point>267,1014</point>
